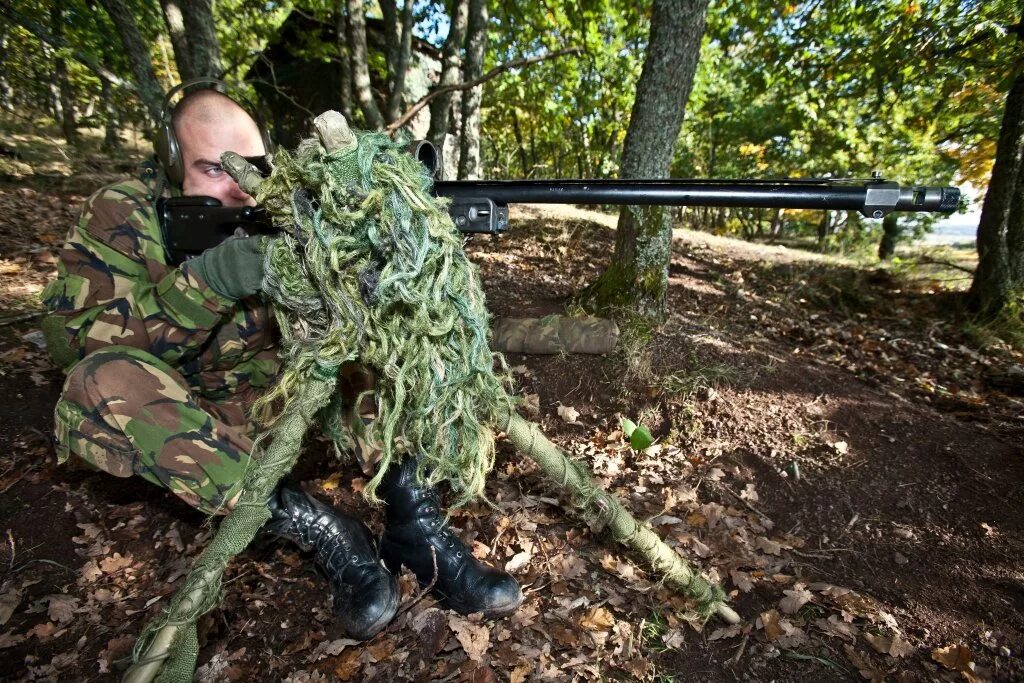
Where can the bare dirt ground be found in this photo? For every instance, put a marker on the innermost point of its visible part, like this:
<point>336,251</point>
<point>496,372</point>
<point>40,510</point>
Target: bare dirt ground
<point>829,446</point>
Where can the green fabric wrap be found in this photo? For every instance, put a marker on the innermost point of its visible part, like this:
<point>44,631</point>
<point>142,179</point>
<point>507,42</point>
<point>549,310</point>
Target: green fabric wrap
<point>56,337</point>
<point>233,269</point>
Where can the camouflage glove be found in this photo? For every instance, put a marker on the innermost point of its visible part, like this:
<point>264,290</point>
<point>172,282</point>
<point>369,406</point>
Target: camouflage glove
<point>233,269</point>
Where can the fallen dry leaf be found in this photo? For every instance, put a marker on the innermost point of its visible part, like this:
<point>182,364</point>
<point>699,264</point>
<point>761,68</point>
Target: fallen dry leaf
<point>531,404</point>
<point>795,599</point>
<point>520,673</point>
<point>114,563</point>
<point>10,639</point>
<point>518,561</point>
<point>742,580</point>
<point>62,607</point>
<point>10,598</point>
<point>767,546</point>
<point>864,665</point>
<point>955,658</point>
<point>568,413</point>
<point>474,638</point>
<point>42,631</point>
<point>597,619</point>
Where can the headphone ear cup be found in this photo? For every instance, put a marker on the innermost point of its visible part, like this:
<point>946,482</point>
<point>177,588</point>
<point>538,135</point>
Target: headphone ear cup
<point>168,154</point>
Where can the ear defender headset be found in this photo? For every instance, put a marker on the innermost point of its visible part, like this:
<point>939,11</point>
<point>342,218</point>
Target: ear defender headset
<point>166,146</point>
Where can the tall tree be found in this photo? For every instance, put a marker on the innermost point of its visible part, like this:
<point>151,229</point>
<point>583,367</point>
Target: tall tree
<point>398,68</point>
<point>175,21</point>
<point>68,124</point>
<point>476,47</point>
<point>451,72</point>
<point>344,58</point>
<point>138,54</point>
<point>999,278</point>
<point>204,48</point>
<point>360,66</point>
<point>638,275</point>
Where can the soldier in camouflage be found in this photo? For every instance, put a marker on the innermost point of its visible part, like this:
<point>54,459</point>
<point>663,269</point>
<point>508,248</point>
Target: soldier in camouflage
<point>164,361</point>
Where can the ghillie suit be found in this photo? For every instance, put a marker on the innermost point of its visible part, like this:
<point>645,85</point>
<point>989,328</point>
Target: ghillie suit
<point>371,268</point>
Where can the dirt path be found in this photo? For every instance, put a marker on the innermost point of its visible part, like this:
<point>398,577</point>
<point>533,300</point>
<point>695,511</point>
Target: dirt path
<point>828,450</point>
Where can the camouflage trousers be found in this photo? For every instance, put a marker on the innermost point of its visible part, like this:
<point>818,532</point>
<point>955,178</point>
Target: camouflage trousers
<point>126,412</point>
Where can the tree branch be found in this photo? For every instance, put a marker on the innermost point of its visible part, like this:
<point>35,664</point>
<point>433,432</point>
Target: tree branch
<point>496,71</point>
<point>42,34</point>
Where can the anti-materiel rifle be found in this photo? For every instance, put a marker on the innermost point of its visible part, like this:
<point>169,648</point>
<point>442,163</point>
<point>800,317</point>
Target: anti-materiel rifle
<point>193,224</point>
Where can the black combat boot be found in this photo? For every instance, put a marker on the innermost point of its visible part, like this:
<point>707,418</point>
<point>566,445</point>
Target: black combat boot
<point>365,593</point>
<point>414,525</point>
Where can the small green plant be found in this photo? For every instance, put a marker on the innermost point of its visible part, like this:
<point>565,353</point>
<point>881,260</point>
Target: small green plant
<point>638,435</point>
<point>653,632</point>
<point>699,377</point>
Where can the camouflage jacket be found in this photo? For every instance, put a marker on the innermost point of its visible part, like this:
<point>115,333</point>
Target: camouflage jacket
<point>114,286</point>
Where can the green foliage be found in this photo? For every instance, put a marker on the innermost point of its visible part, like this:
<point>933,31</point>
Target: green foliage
<point>638,435</point>
<point>565,117</point>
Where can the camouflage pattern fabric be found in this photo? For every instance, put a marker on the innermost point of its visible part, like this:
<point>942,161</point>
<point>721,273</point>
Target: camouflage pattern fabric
<point>555,334</point>
<point>126,412</point>
<point>162,369</point>
<point>115,287</point>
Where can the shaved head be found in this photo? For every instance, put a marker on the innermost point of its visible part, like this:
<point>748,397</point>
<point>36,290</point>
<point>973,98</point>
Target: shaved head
<point>208,107</point>
<point>208,123</point>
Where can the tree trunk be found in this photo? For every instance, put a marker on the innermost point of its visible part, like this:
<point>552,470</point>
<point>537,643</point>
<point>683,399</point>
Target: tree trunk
<point>519,143</point>
<point>179,42</point>
<point>149,89</point>
<point>823,230</point>
<point>890,236</point>
<point>392,39</point>
<point>396,96</point>
<point>360,69</point>
<point>637,279</point>
<point>451,71</point>
<point>204,47</point>
<point>111,136</point>
<point>476,46</point>
<point>344,59</point>
<point>5,88</point>
<point>994,285</point>
<point>68,124</point>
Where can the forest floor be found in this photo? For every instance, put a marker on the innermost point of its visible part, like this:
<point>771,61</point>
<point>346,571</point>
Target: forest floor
<point>830,445</point>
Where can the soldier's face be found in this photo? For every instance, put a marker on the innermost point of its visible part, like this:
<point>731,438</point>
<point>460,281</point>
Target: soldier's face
<point>201,146</point>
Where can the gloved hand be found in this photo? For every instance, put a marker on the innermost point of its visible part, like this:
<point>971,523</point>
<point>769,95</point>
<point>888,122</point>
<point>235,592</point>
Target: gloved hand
<point>233,268</point>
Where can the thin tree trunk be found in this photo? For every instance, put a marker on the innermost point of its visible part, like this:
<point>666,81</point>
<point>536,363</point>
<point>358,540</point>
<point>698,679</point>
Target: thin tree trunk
<point>993,285</point>
<point>396,97</point>
<point>1015,236</point>
<point>451,71</point>
<point>823,230</point>
<point>179,42</point>
<point>204,47</point>
<point>360,70</point>
<point>890,236</point>
<point>111,137</point>
<point>392,39</point>
<point>5,88</point>
<point>344,59</point>
<point>637,279</point>
<point>138,55</point>
<point>519,143</point>
<point>476,46</point>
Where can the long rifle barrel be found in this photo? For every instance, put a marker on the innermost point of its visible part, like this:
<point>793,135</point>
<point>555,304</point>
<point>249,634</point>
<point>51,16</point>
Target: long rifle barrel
<point>482,206</point>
